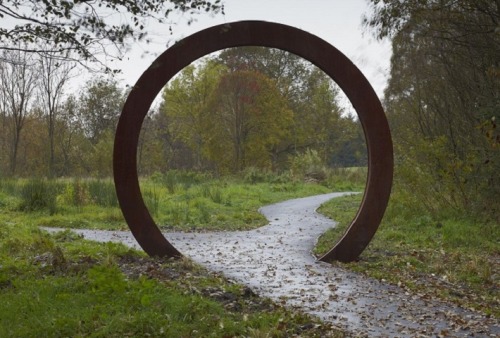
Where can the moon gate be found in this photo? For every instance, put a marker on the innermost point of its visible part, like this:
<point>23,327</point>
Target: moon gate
<point>265,34</point>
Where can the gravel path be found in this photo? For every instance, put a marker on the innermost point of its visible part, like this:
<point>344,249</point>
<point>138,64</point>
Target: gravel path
<point>276,262</point>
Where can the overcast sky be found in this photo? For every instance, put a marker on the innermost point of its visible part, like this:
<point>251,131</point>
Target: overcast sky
<point>336,21</point>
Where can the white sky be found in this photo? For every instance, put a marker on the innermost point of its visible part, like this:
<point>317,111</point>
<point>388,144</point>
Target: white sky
<point>336,21</point>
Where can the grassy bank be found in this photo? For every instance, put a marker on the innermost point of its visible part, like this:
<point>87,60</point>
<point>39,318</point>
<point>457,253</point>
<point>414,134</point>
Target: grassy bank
<point>61,285</point>
<point>442,256</point>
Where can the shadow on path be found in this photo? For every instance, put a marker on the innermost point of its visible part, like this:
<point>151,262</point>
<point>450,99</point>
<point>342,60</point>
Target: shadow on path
<point>276,262</point>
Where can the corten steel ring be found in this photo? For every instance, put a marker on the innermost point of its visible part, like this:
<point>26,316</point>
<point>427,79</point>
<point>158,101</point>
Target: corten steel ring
<point>271,35</point>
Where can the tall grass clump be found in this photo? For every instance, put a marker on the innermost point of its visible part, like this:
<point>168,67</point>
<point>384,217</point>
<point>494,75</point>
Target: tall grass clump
<point>102,193</point>
<point>212,192</point>
<point>75,193</point>
<point>252,175</point>
<point>9,186</point>
<point>152,200</point>
<point>174,179</point>
<point>39,194</point>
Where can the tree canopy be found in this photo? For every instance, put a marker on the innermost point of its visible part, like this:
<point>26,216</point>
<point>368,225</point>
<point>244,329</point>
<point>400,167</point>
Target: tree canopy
<point>443,99</point>
<point>256,107</point>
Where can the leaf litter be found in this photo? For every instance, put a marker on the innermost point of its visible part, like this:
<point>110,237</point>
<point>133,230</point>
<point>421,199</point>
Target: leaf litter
<point>275,261</point>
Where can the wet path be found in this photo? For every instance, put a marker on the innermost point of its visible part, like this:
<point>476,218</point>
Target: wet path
<point>276,262</point>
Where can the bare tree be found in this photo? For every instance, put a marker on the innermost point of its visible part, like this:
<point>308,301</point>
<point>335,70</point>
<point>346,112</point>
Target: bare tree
<point>54,76</point>
<point>18,79</point>
<point>3,133</point>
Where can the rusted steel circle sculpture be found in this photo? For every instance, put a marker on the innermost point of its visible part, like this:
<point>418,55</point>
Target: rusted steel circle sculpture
<point>271,35</point>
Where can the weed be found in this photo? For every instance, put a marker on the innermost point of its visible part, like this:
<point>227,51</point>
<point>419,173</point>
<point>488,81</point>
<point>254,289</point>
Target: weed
<point>9,186</point>
<point>254,175</point>
<point>216,195</point>
<point>182,200</point>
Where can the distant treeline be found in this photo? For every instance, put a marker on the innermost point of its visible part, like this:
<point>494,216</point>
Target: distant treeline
<point>245,107</point>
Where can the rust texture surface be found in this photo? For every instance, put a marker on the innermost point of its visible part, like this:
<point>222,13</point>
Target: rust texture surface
<point>265,34</point>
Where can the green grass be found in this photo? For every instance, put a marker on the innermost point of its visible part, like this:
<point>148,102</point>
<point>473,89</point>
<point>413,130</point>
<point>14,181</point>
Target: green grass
<point>177,200</point>
<point>102,302</point>
<point>61,285</point>
<point>55,285</point>
<point>443,255</point>
<point>227,206</point>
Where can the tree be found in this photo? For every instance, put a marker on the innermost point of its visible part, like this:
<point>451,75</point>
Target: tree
<point>81,30</point>
<point>288,70</point>
<point>310,94</point>
<point>152,149</point>
<point>17,84</point>
<point>443,98</point>
<point>32,153</point>
<point>318,122</point>
<point>348,147</point>
<point>185,103</point>
<point>99,107</point>
<point>4,134</point>
<point>206,95</point>
<point>70,138</point>
<point>249,118</point>
<point>228,119</point>
<point>54,76</point>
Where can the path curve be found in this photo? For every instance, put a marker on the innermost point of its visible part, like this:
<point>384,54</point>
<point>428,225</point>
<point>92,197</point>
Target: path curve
<point>276,262</point>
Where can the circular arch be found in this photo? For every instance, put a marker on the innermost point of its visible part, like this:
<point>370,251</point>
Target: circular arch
<point>271,35</point>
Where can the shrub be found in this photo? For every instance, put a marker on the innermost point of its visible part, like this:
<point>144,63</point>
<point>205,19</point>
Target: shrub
<point>308,166</point>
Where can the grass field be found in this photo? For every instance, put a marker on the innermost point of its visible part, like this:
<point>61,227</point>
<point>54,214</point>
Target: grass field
<point>61,285</point>
<point>177,200</point>
<point>446,256</point>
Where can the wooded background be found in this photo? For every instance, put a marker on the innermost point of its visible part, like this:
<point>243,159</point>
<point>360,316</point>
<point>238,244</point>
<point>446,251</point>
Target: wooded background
<point>260,108</point>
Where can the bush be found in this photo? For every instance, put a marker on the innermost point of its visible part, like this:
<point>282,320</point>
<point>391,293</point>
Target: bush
<point>438,179</point>
<point>347,179</point>
<point>308,166</point>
